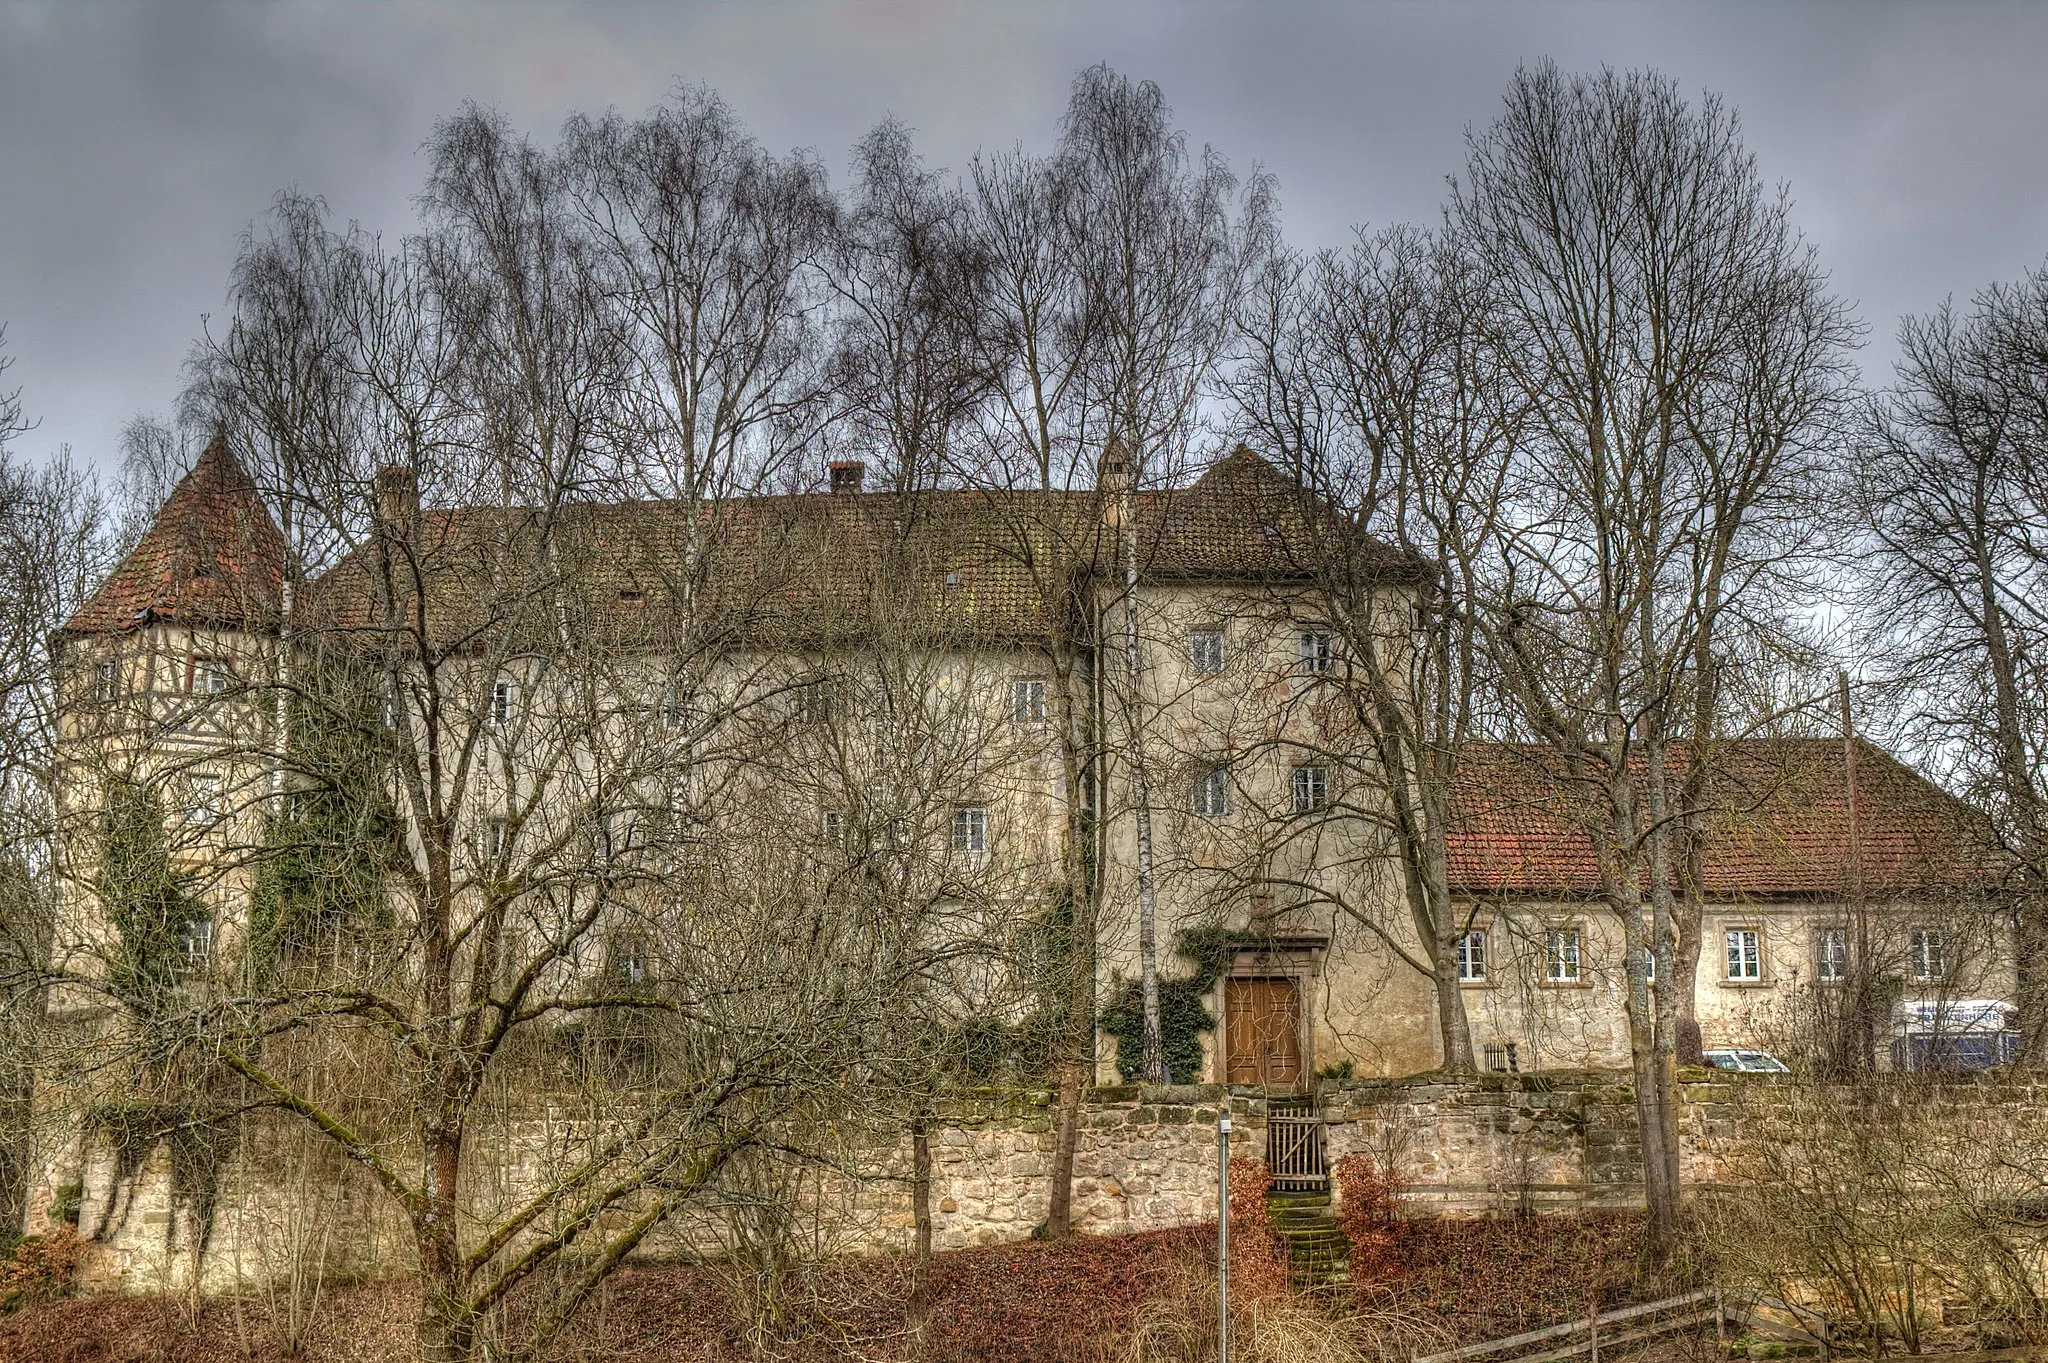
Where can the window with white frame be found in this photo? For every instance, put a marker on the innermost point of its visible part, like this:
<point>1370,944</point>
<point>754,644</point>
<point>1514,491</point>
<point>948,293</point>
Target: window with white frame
<point>1311,787</point>
<point>1205,651</point>
<point>1027,701</point>
<point>1927,953</point>
<point>501,703</point>
<point>1831,954</point>
<point>195,943</point>
<point>210,677</point>
<point>1744,954</point>
<point>1561,956</point>
<point>205,800</point>
<point>1472,957</point>
<point>1212,792</point>
<point>1649,963</point>
<point>833,827</point>
<point>970,829</point>
<point>1312,651</point>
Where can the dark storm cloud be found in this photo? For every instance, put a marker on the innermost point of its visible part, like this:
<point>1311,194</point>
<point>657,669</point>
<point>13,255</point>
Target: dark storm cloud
<point>138,140</point>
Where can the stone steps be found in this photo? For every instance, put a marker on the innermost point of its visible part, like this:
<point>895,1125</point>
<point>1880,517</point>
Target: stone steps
<point>1316,1248</point>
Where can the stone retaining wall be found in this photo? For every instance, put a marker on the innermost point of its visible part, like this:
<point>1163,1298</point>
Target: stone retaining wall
<point>1146,1160</point>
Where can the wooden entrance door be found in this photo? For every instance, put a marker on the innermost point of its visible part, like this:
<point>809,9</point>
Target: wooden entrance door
<point>1262,1031</point>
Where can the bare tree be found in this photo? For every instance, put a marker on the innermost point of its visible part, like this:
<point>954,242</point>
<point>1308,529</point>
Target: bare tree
<point>1369,375</point>
<point>507,821</point>
<point>1164,245</point>
<point>1675,351</point>
<point>1951,490</point>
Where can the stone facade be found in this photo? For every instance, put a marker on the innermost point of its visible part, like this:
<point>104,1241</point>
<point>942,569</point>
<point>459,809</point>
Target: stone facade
<point>1147,1160</point>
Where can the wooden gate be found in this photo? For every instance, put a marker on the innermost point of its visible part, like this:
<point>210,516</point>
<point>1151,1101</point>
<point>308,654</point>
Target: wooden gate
<point>1295,1154</point>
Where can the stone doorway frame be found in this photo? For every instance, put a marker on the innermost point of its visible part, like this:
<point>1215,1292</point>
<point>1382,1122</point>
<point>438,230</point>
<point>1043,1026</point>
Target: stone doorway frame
<point>1292,956</point>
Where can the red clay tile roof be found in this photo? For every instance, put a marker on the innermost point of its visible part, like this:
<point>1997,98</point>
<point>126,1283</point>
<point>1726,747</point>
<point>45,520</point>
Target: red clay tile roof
<point>213,556</point>
<point>1778,824</point>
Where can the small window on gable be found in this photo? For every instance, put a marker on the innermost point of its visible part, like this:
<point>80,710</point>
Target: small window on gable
<point>1561,956</point>
<point>1310,785</point>
<point>106,681</point>
<point>970,829</point>
<point>1312,651</point>
<point>1212,792</point>
<point>1027,701</point>
<point>1472,957</point>
<point>1205,651</point>
<point>501,703</point>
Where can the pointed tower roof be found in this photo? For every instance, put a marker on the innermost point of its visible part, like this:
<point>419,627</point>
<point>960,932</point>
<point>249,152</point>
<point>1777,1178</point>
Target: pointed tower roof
<point>212,556</point>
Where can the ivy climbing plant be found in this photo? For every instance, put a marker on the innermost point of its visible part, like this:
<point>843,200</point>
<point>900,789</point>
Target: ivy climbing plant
<point>1183,1019</point>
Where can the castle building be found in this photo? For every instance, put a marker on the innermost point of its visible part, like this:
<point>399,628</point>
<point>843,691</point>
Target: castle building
<point>942,684</point>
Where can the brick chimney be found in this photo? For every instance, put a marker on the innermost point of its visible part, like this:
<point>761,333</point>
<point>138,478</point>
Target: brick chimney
<point>846,475</point>
<point>398,499</point>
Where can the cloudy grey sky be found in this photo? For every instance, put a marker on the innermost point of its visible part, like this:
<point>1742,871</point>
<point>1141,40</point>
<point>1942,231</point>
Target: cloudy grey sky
<point>137,140</point>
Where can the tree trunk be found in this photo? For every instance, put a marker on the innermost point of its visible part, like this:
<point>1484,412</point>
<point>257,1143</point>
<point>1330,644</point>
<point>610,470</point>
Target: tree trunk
<point>921,1221</point>
<point>1154,1059</point>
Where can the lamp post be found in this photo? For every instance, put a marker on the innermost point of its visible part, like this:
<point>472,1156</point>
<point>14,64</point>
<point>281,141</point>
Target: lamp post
<point>1223,1233</point>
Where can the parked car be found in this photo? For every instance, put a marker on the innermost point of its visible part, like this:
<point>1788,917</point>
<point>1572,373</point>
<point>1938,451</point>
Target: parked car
<point>1749,1062</point>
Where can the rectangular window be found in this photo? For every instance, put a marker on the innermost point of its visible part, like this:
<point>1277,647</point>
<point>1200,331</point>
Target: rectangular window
<point>675,709</point>
<point>817,703</point>
<point>833,827</point>
<point>1027,701</point>
<point>1745,954</point>
<point>209,677</point>
<point>501,703</point>
<point>970,829</point>
<point>1501,1057</point>
<point>1312,651</point>
<point>497,836</point>
<point>1472,957</point>
<point>203,798</point>
<point>1205,652</point>
<point>1561,956</point>
<point>1311,785</point>
<point>1212,792</point>
<point>1831,955</point>
<point>1927,953</point>
<point>106,682</point>
<point>1650,964</point>
<point>195,943</point>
